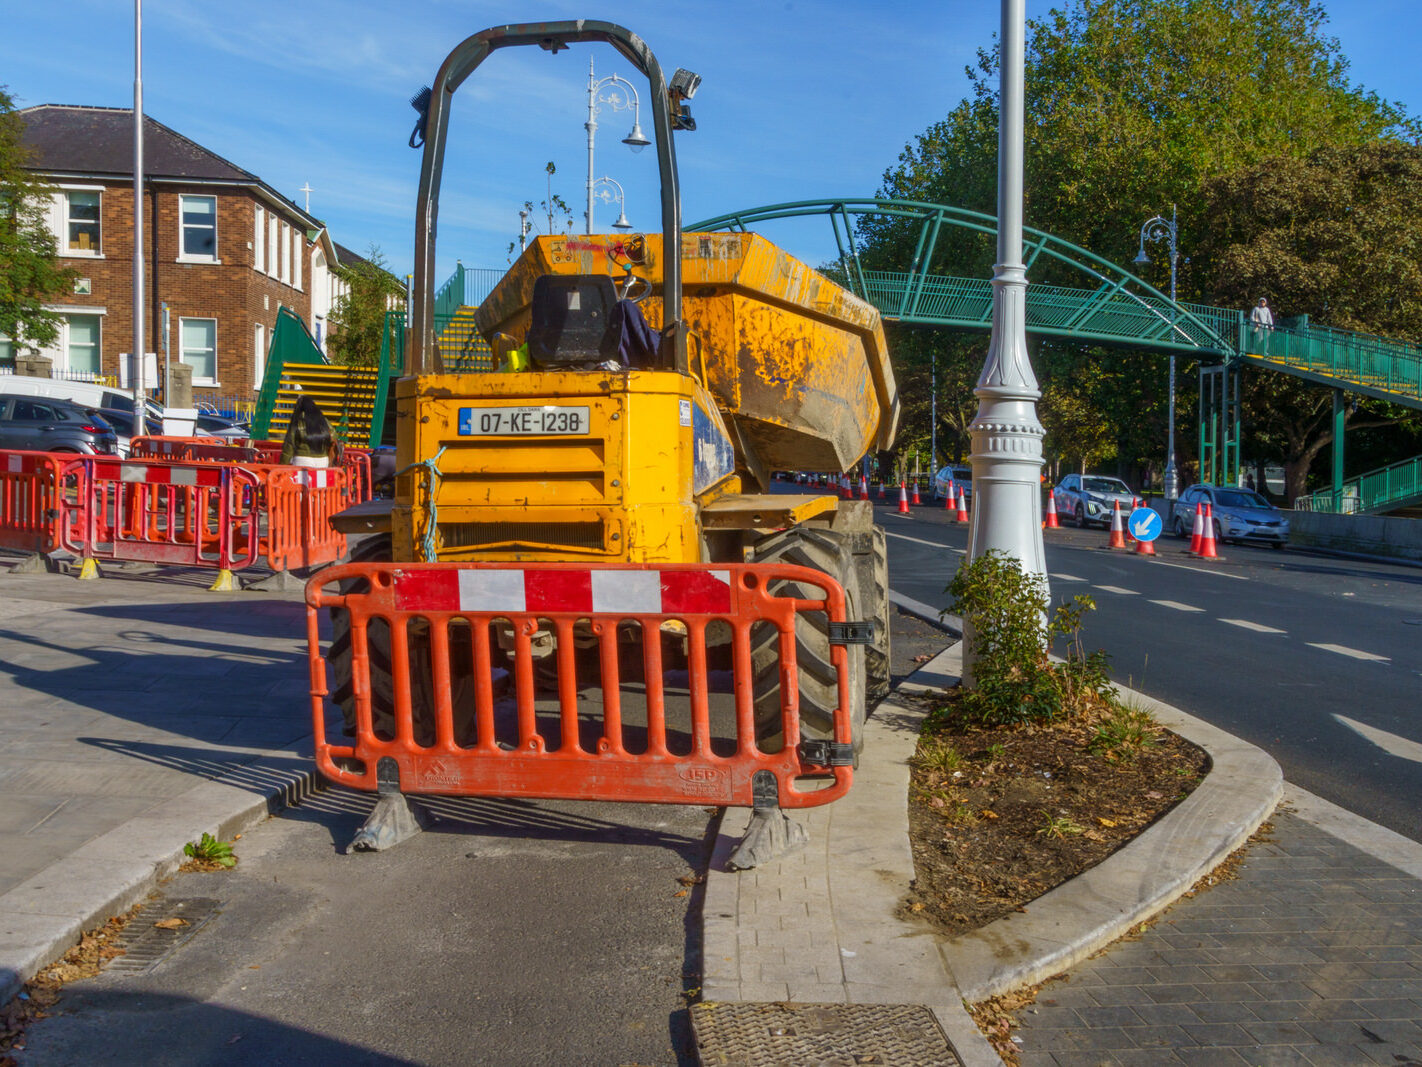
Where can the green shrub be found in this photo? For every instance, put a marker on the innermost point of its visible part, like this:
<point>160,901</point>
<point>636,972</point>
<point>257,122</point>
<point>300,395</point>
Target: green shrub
<point>1014,681</point>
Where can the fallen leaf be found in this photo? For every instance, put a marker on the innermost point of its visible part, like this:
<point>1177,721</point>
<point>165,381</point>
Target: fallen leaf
<point>1154,795</point>
<point>692,879</point>
<point>170,924</point>
<point>679,893</point>
<point>1105,821</point>
<point>988,813</point>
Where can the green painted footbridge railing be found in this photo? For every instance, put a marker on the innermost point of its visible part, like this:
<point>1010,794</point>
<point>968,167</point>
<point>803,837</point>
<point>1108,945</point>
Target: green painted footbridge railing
<point>1398,485</point>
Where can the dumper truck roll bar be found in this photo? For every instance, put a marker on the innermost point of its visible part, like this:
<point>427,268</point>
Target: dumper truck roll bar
<point>423,355</point>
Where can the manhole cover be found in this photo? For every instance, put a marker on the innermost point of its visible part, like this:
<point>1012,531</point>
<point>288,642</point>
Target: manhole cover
<point>158,929</point>
<point>827,1035</point>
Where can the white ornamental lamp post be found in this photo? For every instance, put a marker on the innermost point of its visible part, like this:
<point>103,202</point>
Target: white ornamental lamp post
<point>621,97</point>
<point>1006,435</point>
<point>1159,229</point>
<point>609,196</point>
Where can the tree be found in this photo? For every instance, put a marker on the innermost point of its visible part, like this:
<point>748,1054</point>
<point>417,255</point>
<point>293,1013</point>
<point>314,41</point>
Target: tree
<point>553,206</point>
<point>358,319</point>
<point>1132,105</point>
<point>30,274</point>
<point>1337,237</point>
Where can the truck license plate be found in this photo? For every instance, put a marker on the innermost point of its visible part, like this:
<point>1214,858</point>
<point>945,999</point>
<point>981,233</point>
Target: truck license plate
<point>519,422</point>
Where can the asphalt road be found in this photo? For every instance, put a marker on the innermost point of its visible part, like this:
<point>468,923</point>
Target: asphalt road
<point>511,932</point>
<point>1279,648</point>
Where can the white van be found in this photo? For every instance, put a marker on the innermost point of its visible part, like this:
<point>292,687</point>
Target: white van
<point>90,394</point>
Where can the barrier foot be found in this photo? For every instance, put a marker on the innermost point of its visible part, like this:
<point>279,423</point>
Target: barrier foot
<point>34,563</point>
<point>392,819</point>
<point>225,583</point>
<point>89,570</point>
<point>282,581</point>
<point>770,834</point>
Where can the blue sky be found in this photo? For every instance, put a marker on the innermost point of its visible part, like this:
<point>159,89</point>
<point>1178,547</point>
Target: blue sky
<point>799,100</point>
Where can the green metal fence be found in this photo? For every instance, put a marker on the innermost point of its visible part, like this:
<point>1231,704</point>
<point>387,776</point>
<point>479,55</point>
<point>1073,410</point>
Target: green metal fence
<point>1384,489</point>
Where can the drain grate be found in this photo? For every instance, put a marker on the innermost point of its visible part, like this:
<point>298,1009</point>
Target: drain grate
<point>146,945</point>
<point>827,1035</point>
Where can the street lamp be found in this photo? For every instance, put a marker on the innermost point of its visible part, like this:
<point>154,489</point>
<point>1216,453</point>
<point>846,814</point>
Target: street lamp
<point>616,99</point>
<point>607,196</point>
<point>1159,229</point>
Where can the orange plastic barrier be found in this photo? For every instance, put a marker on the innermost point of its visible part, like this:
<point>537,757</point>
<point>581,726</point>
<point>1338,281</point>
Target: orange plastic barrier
<point>189,514</point>
<point>299,503</point>
<point>419,641</point>
<point>30,488</point>
<point>205,449</point>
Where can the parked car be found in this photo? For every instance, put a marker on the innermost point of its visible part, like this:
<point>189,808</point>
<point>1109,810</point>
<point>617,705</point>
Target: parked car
<point>221,426</point>
<point>1091,498</point>
<point>122,422</point>
<point>1238,515</point>
<point>958,477</point>
<point>49,424</point>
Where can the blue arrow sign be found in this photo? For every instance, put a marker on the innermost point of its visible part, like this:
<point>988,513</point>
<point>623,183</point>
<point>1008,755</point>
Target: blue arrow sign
<point>1144,524</point>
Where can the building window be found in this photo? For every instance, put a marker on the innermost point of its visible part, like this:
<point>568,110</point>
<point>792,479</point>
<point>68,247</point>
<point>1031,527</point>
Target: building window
<point>81,223</point>
<point>284,260</point>
<point>298,253</point>
<point>259,354</point>
<point>259,241</point>
<point>272,245</point>
<point>81,344</point>
<point>7,352</point>
<point>199,349</point>
<point>199,227</point>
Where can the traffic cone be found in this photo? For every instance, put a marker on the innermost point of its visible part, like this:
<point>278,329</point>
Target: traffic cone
<point>882,485</point>
<point>1145,548</point>
<point>1198,531</point>
<point>863,488</point>
<point>949,503</point>
<point>1118,531</point>
<point>1052,523</point>
<point>962,515</point>
<point>1207,537</point>
<point>916,501</point>
<point>903,500</point>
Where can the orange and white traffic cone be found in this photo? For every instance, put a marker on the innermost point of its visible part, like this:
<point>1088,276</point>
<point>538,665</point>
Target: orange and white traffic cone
<point>903,499</point>
<point>916,501</point>
<point>949,502</point>
<point>1143,547</point>
<point>1198,531</point>
<point>962,515</point>
<point>1052,523</point>
<point>1118,531</point>
<point>1207,537</point>
<point>882,485</point>
<point>863,488</point>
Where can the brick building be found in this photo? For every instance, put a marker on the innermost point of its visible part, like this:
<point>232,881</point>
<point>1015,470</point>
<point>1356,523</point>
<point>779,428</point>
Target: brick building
<point>222,249</point>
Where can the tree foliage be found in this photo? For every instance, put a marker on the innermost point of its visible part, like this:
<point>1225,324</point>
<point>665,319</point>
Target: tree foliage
<point>1130,106</point>
<point>358,319</point>
<point>30,274</point>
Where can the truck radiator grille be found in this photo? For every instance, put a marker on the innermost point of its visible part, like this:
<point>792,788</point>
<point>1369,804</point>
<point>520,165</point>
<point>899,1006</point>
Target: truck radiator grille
<point>584,535</point>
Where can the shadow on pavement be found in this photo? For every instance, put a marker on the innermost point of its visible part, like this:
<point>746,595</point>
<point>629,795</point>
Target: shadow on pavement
<point>157,1030</point>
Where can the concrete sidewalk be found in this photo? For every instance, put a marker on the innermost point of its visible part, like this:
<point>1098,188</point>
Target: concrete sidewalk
<point>139,712</point>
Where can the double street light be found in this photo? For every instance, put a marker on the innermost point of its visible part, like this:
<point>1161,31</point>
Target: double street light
<point>621,96</point>
<point>1161,229</point>
<point>608,196</point>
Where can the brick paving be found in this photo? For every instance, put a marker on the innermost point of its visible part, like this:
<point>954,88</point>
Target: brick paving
<point>1312,955</point>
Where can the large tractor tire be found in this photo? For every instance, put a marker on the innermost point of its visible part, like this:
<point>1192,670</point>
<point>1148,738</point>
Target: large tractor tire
<point>375,549</point>
<point>827,551</point>
<point>874,591</point>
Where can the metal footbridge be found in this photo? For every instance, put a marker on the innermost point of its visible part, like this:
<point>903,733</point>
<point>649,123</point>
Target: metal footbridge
<point>1113,307</point>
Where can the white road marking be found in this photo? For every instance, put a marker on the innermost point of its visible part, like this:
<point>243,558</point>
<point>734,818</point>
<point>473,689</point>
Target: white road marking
<point>1344,650</point>
<point>1067,578</point>
<point>1397,746</point>
<point>921,541</point>
<point>1116,589</point>
<point>1176,605</point>
<point>1257,627</point>
<point>1158,562</point>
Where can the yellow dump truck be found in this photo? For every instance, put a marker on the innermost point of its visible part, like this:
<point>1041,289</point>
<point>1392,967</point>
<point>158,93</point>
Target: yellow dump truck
<point>650,385</point>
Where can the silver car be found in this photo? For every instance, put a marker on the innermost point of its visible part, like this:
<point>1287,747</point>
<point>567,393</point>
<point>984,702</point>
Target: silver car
<point>1091,498</point>
<point>958,478</point>
<point>1238,515</point>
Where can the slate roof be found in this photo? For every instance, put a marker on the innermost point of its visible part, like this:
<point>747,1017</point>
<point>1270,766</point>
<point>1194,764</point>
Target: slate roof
<point>81,140</point>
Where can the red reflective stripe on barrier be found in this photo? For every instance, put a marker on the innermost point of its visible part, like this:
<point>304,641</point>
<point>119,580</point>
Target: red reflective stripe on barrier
<point>632,592</point>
